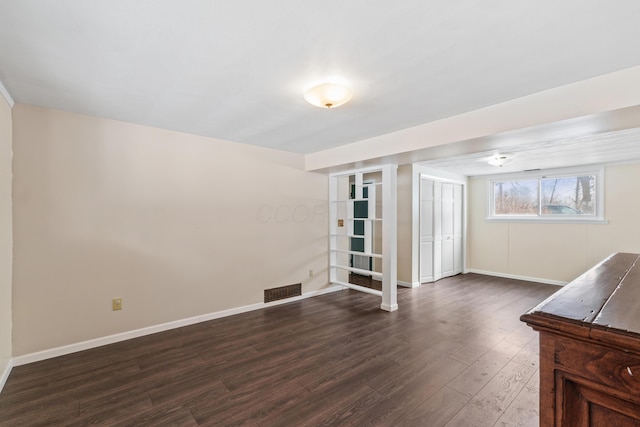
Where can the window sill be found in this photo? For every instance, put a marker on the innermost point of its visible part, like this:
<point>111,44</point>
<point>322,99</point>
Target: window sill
<point>538,220</point>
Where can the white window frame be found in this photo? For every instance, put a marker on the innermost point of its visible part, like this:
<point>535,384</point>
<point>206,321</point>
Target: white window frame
<point>597,218</point>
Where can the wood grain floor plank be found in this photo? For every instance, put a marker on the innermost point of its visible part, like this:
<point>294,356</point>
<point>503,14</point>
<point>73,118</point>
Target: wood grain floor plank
<point>489,404</point>
<point>404,399</point>
<point>48,413</point>
<point>436,410</point>
<point>345,411</point>
<point>530,353</point>
<point>478,374</point>
<point>112,408</point>
<point>181,390</point>
<point>161,416</point>
<point>319,407</point>
<point>524,410</point>
<point>247,404</point>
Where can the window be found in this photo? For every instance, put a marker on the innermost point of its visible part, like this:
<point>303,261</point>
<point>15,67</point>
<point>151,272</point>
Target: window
<point>569,195</point>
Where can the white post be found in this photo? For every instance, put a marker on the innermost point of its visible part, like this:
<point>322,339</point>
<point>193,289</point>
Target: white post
<point>389,238</point>
<point>333,228</point>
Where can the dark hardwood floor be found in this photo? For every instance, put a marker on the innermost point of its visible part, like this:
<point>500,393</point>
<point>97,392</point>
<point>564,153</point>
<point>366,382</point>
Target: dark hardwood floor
<point>455,354</point>
<point>365,281</point>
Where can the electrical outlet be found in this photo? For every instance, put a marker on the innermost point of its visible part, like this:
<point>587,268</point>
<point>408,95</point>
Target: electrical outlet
<point>116,304</point>
<point>341,223</point>
<point>310,273</point>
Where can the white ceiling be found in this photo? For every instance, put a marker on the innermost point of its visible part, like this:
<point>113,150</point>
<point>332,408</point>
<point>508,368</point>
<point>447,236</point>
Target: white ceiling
<point>603,148</point>
<point>235,70</point>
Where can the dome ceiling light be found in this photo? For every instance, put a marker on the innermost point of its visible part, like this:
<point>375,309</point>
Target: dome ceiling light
<point>328,95</point>
<point>500,160</point>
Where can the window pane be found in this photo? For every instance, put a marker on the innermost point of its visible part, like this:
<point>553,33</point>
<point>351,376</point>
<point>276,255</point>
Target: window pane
<point>515,197</point>
<point>574,195</point>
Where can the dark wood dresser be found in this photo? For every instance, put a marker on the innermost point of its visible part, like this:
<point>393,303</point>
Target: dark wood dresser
<point>590,347</point>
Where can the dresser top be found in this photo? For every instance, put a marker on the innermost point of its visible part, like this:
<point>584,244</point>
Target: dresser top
<point>604,300</point>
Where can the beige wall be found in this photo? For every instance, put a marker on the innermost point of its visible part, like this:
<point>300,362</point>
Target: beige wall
<point>6,240</point>
<point>557,252</point>
<point>176,225</point>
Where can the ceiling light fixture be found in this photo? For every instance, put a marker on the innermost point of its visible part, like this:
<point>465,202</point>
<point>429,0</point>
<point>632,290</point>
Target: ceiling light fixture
<point>328,95</point>
<point>500,160</point>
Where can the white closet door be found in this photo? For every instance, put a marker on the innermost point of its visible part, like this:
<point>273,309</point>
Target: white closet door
<point>447,230</point>
<point>441,245</point>
<point>437,230</point>
<point>426,231</point>
<point>457,228</point>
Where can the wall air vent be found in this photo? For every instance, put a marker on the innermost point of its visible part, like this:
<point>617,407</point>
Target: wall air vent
<point>282,292</point>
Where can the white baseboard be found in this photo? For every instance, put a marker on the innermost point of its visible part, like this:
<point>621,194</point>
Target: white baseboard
<point>513,276</point>
<point>408,285</point>
<point>110,339</point>
<point>387,307</point>
<point>5,374</point>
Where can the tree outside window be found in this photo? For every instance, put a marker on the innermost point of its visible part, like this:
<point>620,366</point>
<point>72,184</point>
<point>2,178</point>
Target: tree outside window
<point>573,195</point>
<point>545,196</point>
